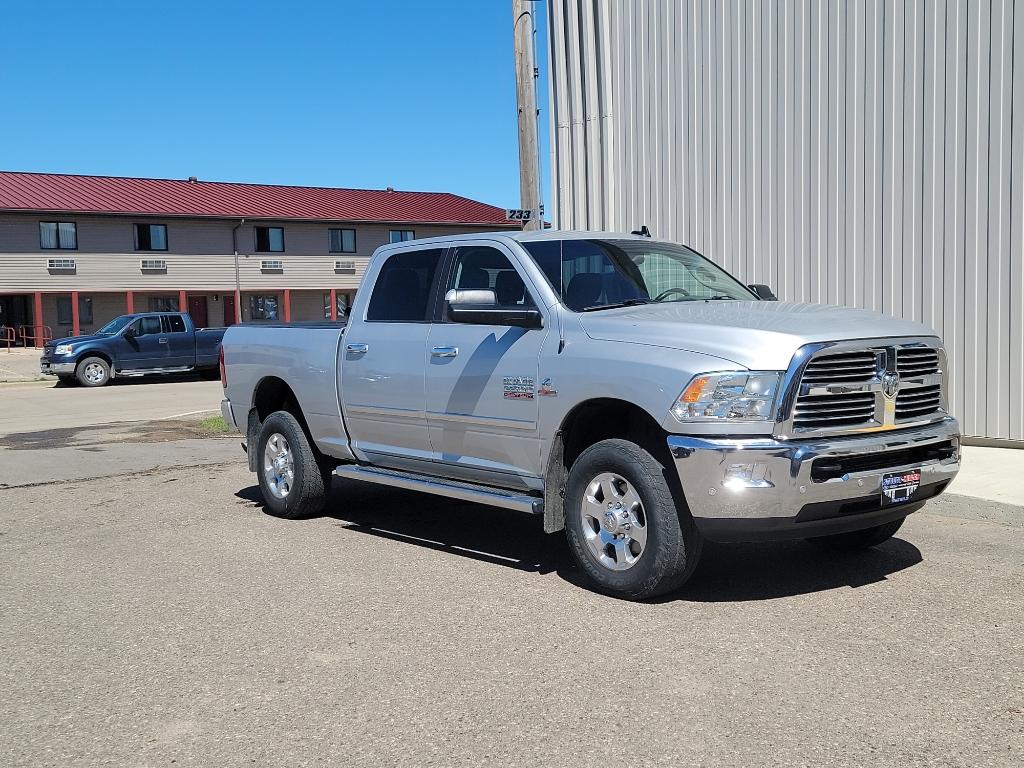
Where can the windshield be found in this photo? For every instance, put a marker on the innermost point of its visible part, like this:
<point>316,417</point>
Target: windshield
<point>598,274</point>
<point>114,325</point>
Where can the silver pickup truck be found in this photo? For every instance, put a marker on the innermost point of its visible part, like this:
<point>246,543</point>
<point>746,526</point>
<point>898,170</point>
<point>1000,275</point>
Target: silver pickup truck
<point>627,390</point>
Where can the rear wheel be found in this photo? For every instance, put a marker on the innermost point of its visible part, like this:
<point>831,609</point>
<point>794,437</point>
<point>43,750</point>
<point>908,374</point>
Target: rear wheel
<point>294,479</point>
<point>623,524</point>
<point>854,540</point>
<point>93,372</point>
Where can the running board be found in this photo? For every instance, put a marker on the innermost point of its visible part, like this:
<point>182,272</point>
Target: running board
<point>481,494</point>
<point>148,371</point>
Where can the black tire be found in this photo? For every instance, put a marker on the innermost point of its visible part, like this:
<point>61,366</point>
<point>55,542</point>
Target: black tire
<point>673,543</point>
<point>311,474</point>
<point>93,372</point>
<point>854,540</point>
<point>209,374</point>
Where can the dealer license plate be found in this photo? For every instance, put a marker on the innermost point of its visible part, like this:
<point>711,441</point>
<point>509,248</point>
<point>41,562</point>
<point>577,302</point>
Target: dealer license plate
<point>900,487</point>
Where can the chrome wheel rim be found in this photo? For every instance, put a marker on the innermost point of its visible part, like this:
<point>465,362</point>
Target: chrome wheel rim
<point>94,373</point>
<point>614,523</point>
<point>278,466</point>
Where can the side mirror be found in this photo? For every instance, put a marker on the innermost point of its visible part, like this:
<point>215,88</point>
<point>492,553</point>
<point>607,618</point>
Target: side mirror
<point>129,332</point>
<point>763,292</point>
<point>480,307</point>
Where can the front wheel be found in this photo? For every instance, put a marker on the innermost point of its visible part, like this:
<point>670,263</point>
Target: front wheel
<point>623,524</point>
<point>294,479</point>
<point>93,372</point>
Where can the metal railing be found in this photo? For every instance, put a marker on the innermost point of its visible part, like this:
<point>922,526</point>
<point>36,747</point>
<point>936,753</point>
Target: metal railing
<point>8,336</point>
<point>35,335</point>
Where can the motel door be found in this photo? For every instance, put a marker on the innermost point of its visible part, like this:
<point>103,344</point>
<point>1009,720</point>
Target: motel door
<point>197,308</point>
<point>228,300</point>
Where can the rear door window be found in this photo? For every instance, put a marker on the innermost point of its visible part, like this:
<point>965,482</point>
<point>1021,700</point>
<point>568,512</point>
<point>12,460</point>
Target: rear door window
<point>401,293</point>
<point>174,324</point>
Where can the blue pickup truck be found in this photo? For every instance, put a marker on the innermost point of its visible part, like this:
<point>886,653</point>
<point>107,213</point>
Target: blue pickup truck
<point>139,344</point>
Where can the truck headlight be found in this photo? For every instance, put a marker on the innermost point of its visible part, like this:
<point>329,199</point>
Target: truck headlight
<point>63,349</point>
<point>729,396</point>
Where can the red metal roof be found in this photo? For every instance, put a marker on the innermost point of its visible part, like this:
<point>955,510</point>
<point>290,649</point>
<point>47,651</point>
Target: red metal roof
<point>173,197</point>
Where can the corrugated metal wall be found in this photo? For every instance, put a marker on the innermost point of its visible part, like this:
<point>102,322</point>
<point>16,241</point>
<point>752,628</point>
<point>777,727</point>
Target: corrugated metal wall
<point>864,153</point>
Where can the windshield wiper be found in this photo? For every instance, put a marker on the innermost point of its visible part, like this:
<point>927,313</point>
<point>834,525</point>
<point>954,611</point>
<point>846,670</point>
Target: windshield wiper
<point>617,305</point>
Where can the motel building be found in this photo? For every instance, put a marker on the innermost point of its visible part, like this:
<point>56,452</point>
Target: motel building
<point>77,251</point>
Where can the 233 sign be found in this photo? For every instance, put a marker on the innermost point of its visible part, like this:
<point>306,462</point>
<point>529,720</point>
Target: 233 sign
<point>519,214</point>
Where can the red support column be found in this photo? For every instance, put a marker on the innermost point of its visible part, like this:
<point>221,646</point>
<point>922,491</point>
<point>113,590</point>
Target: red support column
<point>76,327</point>
<point>287,305</point>
<point>129,303</point>
<point>334,303</point>
<point>182,302</point>
<point>38,320</point>
<point>238,306</point>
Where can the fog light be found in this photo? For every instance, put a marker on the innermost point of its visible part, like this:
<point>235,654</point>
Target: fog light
<point>740,476</point>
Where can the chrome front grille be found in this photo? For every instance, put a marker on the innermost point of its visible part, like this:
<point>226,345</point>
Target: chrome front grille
<point>831,411</point>
<point>917,361</point>
<point>919,401</point>
<point>853,387</point>
<point>842,367</point>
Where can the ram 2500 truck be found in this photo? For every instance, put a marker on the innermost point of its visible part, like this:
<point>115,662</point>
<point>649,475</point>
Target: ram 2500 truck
<point>627,390</point>
<point>134,345</point>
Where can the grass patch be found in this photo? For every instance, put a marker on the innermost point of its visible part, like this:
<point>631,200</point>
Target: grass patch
<point>215,425</point>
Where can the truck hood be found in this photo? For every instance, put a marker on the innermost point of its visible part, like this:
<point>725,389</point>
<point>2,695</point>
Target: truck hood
<point>78,339</point>
<point>759,335</point>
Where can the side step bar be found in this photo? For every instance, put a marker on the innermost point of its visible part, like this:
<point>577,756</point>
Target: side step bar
<point>482,494</point>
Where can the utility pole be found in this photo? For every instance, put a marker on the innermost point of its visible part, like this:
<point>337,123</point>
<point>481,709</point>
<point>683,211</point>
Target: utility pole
<point>526,99</point>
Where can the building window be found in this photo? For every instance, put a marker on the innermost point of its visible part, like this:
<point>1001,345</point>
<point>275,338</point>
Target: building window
<point>273,266</point>
<point>341,302</point>
<point>64,310</point>
<point>342,240</point>
<point>401,235</point>
<point>163,303</point>
<point>263,307</point>
<point>150,237</point>
<point>344,267</point>
<point>63,266</point>
<point>270,239</point>
<point>58,234</point>
<point>154,266</point>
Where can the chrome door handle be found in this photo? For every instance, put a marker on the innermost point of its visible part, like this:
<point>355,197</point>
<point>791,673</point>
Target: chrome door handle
<point>357,349</point>
<point>444,351</point>
<point>162,341</point>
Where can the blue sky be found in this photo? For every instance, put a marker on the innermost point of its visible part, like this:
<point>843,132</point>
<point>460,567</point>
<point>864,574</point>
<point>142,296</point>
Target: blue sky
<point>415,95</point>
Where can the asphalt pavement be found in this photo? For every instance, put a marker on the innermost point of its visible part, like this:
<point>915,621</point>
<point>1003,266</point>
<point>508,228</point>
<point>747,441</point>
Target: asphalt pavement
<point>160,617</point>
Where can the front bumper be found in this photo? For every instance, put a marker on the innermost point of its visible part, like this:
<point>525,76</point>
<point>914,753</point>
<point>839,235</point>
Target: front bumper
<point>760,488</point>
<point>51,368</point>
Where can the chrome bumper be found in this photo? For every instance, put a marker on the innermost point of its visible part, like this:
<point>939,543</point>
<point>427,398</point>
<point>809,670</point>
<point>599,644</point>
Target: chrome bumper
<point>227,415</point>
<point>56,369</point>
<point>749,489</point>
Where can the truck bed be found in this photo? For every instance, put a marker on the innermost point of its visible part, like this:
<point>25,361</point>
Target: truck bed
<point>305,355</point>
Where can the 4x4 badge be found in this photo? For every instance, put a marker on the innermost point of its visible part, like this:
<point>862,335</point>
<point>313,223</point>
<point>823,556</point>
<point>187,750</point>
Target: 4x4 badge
<point>890,385</point>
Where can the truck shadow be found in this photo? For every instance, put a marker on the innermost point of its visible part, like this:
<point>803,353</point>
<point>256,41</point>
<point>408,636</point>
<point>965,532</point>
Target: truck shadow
<point>727,572</point>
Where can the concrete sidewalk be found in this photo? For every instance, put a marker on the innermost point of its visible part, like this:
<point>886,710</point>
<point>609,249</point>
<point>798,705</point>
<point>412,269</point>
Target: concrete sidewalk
<point>996,474</point>
<point>20,365</point>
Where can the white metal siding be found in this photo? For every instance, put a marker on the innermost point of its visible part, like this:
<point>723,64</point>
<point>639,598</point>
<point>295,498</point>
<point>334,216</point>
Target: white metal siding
<point>864,153</point>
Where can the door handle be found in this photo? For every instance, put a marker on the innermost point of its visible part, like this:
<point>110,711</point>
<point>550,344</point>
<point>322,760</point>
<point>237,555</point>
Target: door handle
<point>162,341</point>
<point>357,349</point>
<point>444,351</point>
